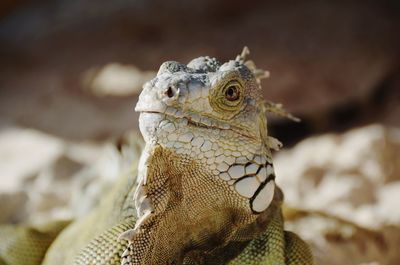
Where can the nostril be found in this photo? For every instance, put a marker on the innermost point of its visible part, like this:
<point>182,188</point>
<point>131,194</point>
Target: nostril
<point>169,92</point>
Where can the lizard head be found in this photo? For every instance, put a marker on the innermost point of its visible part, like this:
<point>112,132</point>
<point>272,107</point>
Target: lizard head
<point>208,154</point>
<point>207,94</point>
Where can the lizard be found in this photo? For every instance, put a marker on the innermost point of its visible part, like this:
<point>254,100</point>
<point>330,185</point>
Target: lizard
<point>205,191</point>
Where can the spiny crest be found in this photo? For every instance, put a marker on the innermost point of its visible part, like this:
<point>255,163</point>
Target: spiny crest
<point>258,73</point>
<point>275,108</point>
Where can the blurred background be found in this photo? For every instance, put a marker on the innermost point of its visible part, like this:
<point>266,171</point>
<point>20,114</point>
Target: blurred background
<point>71,72</point>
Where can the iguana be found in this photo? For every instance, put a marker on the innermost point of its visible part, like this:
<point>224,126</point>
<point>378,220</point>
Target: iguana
<point>205,191</point>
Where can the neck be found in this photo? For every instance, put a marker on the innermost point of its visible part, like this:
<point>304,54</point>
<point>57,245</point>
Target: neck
<point>184,198</point>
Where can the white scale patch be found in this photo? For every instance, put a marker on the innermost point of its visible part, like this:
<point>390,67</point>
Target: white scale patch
<point>264,197</point>
<point>236,171</point>
<point>253,180</point>
<point>247,186</point>
<point>252,169</point>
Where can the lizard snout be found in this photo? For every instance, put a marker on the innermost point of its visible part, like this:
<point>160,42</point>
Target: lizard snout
<point>173,92</point>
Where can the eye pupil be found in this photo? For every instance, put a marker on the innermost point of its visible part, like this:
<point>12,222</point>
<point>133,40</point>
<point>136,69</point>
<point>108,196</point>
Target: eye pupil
<point>231,93</point>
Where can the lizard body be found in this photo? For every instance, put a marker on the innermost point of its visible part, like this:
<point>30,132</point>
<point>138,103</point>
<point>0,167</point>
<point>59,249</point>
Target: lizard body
<point>205,192</point>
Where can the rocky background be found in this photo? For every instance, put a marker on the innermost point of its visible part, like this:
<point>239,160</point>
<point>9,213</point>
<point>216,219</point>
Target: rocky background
<point>71,71</point>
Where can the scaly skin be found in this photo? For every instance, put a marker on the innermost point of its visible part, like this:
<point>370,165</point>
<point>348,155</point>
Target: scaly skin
<point>27,244</point>
<point>206,191</point>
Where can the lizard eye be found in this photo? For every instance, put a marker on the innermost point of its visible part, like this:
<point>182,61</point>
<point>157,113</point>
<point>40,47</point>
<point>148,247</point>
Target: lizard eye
<point>228,96</point>
<point>232,93</point>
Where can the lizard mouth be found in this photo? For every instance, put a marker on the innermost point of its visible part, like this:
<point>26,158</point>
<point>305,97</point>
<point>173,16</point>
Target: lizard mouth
<point>192,118</point>
<point>198,121</point>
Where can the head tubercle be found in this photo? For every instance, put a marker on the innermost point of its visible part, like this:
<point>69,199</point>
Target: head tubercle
<point>206,65</point>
